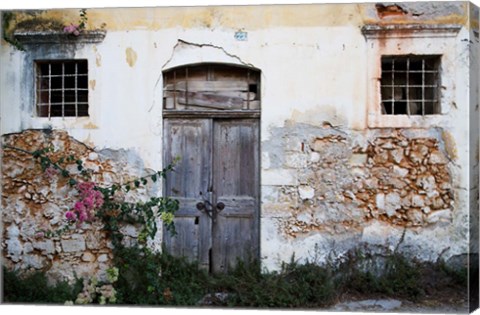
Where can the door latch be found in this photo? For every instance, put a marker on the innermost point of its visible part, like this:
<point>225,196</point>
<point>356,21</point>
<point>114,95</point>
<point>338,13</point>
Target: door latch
<point>209,209</point>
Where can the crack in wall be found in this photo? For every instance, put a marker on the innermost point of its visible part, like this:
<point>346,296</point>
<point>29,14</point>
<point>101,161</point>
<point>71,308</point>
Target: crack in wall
<point>181,41</point>
<point>184,42</point>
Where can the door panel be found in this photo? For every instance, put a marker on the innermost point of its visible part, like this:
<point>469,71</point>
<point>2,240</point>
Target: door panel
<point>235,184</point>
<point>220,158</point>
<point>190,140</point>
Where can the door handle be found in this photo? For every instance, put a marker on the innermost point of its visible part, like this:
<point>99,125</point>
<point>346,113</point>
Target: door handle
<point>205,206</point>
<point>220,206</point>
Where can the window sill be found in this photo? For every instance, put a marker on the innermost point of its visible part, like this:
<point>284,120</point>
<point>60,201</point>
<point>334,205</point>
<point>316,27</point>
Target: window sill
<point>404,121</point>
<point>63,123</point>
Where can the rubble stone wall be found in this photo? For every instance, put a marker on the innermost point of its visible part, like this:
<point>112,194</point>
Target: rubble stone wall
<point>33,201</point>
<point>329,190</point>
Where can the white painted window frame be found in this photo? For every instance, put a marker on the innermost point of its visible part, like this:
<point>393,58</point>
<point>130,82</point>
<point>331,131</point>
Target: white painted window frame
<point>407,39</point>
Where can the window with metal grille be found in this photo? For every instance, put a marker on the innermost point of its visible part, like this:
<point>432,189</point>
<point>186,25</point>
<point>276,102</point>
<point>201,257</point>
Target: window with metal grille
<point>62,88</point>
<point>410,85</point>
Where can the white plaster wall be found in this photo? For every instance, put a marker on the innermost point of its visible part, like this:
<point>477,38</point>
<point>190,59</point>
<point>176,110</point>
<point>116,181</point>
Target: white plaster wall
<point>308,74</point>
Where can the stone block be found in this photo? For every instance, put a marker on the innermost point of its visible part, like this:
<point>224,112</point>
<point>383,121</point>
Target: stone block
<point>437,157</point>
<point>270,193</point>
<point>296,160</point>
<point>392,203</point>
<point>444,215</point>
<point>400,171</point>
<point>279,177</point>
<point>358,159</point>
<point>397,155</point>
<point>415,216</point>
<point>426,182</point>
<point>14,249</point>
<point>93,156</point>
<point>380,201</point>
<point>266,160</point>
<point>276,210</point>
<point>46,246</point>
<point>314,157</point>
<point>27,248</point>
<point>35,261</point>
<point>93,241</point>
<point>88,257</point>
<point>76,244</point>
<point>418,201</point>
<point>13,231</point>
<point>306,192</point>
<point>305,218</point>
<point>129,230</point>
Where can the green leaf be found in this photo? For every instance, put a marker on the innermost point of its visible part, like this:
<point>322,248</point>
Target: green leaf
<point>72,182</point>
<point>154,178</point>
<point>144,181</point>
<point>137,183</point>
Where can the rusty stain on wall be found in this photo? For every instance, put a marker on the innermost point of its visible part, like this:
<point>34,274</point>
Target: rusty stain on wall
<point>450,146</point>
<point>92,84</point>
<point>131,56</point>
<point>392,10</point>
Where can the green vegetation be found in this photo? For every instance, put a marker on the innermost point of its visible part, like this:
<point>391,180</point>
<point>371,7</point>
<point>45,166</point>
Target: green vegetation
<point>34,288</point>
<point>147,278</point>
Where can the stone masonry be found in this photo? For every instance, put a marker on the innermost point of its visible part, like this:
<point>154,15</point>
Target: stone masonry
<point>33,201</point>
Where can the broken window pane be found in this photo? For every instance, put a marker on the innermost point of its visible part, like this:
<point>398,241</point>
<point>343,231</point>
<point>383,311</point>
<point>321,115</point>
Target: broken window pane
<point>62,88</point>
<point>410,85</point>
<point>211,86</point>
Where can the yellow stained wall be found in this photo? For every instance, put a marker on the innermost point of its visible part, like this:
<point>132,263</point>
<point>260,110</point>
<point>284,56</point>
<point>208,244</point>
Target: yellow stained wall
<point>247,17</point>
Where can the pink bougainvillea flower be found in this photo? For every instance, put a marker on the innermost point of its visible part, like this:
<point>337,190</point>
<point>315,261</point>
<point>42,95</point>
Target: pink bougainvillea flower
<point>70,215</point>
<point>82,216</point>
<point>79,206</point>
<point>39,235</point>
<point>72,29</point>
<point>90,200</point>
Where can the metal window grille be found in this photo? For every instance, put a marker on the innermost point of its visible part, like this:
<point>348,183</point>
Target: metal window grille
<point>410,85</point>
<point>62,88</point>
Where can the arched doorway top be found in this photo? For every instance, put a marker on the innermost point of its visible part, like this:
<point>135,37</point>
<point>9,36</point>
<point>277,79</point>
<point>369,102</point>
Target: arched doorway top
<point>211,86</point>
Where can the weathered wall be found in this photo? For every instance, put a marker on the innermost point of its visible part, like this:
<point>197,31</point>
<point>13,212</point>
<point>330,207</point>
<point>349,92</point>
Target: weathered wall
<point>336,189</point>
<point>327,179</point>
<point>34,201</point>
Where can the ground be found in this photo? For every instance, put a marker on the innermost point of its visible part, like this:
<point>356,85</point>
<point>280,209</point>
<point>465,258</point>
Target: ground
<point>447,300</point>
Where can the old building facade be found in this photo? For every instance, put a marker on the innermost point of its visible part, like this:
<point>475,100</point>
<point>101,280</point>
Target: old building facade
<point>304,130</point>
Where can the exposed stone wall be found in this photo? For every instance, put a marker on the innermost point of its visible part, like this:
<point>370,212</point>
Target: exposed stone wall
<point>323,189</point>
<point>33,201</point>
<point>338,186</point>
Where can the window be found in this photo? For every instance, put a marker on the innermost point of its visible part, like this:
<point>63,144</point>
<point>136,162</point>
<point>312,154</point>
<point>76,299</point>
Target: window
<point>212,87</point>
<point>410,85</point>
<point>62,88</point>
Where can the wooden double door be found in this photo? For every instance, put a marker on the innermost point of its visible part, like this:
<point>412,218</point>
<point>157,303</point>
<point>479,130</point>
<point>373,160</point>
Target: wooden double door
<point>217,184</point>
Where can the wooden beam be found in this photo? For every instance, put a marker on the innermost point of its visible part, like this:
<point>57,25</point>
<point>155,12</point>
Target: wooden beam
<point>208,86</point>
